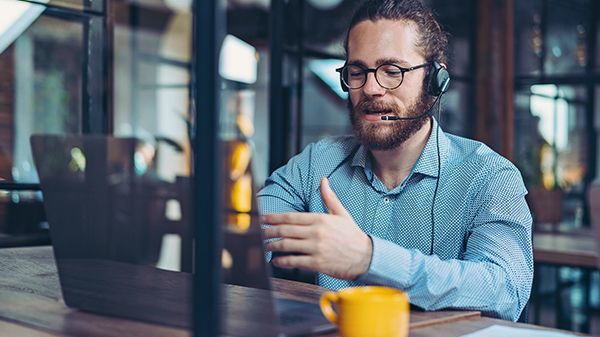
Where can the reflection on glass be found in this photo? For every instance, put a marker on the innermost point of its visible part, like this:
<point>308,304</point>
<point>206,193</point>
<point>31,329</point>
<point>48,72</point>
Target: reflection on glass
<point>15,18</point>
<point>322,68</point>
<point>152,81</point>
<point>324,104</point>
<point>238,60</point>
<point>108,219</point>
<point>41,89</point>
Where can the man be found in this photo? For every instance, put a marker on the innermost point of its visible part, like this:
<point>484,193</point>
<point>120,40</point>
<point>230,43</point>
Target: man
<point>401,203</point>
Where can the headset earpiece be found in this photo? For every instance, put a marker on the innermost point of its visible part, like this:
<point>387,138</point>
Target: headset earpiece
<point>439,80</point>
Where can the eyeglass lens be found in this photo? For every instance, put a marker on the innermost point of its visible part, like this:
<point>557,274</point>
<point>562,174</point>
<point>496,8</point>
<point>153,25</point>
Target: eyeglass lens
<point>388,76</point>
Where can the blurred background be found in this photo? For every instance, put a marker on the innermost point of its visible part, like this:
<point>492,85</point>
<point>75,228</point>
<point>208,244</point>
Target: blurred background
<point>525,77</point>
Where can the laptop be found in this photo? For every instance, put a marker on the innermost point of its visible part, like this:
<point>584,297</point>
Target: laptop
<point>110,215</point>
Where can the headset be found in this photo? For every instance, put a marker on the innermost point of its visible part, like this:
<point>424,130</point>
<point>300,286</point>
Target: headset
<point>438,82</point>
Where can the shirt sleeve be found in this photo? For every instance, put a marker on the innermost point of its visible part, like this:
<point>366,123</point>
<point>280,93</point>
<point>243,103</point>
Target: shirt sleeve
<point>284,189</point>
<point>495,273</point>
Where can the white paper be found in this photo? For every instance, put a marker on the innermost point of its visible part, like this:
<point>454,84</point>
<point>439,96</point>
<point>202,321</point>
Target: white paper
<point>503,331</point>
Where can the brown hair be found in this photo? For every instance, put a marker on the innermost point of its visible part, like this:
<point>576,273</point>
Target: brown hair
<point>432,40</point>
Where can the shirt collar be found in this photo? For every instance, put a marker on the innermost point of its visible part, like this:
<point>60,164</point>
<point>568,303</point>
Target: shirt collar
<point>428,160</point>
<point>427,163</point>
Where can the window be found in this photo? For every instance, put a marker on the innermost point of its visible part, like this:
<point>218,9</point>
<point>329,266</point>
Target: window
<point>555,139</point>
<point>49,84</point>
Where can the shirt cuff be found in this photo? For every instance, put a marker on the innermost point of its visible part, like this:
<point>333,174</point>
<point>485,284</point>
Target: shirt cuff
<point>390,265</point>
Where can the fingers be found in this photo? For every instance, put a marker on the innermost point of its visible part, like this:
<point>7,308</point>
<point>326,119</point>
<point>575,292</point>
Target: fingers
<point>290,246</point>
<point>331,200</point>
<point>286,231</point>
<point>293,218</point>
<point>295,261</point>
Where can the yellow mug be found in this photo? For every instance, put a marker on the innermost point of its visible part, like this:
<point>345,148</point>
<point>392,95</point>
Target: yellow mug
<point>368,311</point>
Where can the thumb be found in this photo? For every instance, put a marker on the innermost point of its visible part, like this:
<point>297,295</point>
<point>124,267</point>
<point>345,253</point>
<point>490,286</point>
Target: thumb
<point>332,202</point>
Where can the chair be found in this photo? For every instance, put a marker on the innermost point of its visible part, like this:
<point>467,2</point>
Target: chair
<point>546,207</point>
<point>593,198</point>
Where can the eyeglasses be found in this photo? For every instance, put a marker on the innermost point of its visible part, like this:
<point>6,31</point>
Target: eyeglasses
<point>389,76</point>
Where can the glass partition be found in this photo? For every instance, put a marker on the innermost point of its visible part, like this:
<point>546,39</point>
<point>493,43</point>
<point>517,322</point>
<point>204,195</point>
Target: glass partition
<point>49,84</point>
<point>152,52</point>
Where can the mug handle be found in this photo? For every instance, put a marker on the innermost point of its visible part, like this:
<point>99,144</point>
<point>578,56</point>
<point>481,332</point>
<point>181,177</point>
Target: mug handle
<point>326,307</point>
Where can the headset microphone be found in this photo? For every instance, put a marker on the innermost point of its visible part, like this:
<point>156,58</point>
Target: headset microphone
<point>398,118</point>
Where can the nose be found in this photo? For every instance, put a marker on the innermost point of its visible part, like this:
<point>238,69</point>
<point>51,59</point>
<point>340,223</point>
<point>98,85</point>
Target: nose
<point>371,87</point>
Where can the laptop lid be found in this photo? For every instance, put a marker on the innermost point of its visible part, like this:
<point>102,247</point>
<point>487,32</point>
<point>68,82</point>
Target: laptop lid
<point>106,207</point>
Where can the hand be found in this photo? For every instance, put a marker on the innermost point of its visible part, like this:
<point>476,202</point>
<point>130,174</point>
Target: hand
<point>328,243</point>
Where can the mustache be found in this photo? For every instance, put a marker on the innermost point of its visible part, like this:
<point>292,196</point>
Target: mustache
<point>367,106</point>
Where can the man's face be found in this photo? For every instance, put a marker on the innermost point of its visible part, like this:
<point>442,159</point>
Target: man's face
<point>371,44</point>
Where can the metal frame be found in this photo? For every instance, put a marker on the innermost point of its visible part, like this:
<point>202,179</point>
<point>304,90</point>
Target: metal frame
<point>298,116</point>
<point>95,100</point>
<point>209,18</point>
<point>278,116</point>
<point>94,96</point>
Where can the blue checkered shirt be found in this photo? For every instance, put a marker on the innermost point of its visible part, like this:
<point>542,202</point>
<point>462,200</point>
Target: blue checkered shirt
<point>482,243</point>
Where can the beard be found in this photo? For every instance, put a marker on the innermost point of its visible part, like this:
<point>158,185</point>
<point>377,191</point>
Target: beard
<point>375,136</point>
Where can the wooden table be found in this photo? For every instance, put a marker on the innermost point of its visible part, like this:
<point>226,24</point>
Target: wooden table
<point>573,249</point>
<point>32,306</point>
<point>566,248</point>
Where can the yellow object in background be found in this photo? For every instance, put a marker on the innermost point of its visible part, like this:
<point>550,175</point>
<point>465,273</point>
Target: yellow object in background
<point>240,223</point>
<point>245,125</point>
<point>240,159</point>
<point>226,259</point>
<point>241,194</point>
<point>369,311</point>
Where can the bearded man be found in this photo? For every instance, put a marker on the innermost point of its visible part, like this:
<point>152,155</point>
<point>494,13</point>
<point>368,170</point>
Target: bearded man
<point>401,203</point>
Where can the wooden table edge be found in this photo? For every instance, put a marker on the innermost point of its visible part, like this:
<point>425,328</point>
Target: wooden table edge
<point>444,320</point>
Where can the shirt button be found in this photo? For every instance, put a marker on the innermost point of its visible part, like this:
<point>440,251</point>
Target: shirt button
<point>386,200</point>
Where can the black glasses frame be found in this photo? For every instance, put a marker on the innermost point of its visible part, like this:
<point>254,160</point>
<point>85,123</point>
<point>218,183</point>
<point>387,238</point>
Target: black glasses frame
<point>374,71</point>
